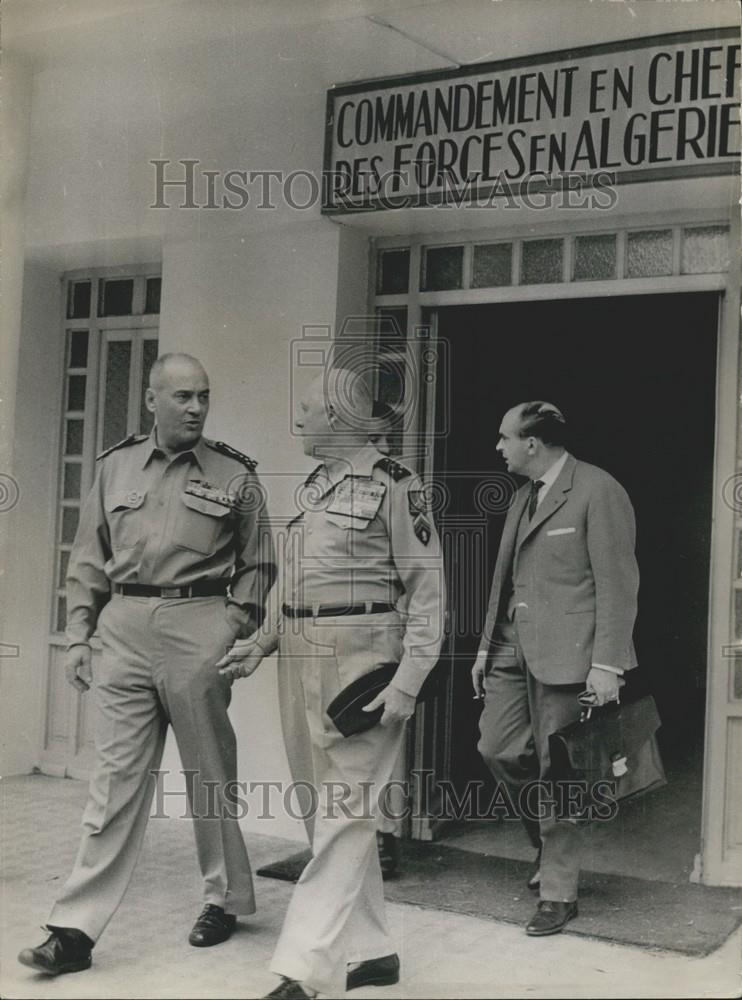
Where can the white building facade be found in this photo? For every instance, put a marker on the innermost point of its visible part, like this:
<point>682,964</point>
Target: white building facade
<point>164,191</point>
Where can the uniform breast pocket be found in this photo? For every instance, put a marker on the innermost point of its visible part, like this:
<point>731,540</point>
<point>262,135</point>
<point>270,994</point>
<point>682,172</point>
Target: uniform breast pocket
<point>200,523</point>
<point>347,522</point>
<point>123,520</point>
<point>360,536</point>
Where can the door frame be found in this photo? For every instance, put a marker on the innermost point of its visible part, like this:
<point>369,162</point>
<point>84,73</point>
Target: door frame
<point>719,862</point>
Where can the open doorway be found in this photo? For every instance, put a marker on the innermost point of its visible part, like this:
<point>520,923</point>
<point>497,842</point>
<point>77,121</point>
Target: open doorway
<point>636,379</point>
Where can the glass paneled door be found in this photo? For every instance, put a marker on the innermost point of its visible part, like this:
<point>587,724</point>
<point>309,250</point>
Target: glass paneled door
<point>105,402</point>
<point>126,359</point>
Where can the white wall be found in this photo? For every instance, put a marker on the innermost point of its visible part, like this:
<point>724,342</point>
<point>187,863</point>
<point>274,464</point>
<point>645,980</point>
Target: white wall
<point>242,305</point>
<point>354,271</point>
<point>220,86</point>
<point>17,105</point>
<point>29,556</point>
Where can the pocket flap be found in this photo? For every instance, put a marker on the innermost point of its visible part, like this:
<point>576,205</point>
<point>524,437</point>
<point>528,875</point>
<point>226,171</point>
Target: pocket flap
<point>123,500</point>
<point>204,506</point>
<point>346,521</point>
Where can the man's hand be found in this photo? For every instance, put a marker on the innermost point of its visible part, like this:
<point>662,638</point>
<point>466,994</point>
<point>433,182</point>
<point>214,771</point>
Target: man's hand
<point>236,617</point>
<point>241,660</point>
<point>78,666</point>
<point>398,706</point>
<point>604,683</point>
<point>477,676</point>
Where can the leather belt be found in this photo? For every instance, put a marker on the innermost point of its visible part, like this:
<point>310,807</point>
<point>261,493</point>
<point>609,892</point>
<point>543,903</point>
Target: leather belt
<point>335,610</point>
<point>207,588</point>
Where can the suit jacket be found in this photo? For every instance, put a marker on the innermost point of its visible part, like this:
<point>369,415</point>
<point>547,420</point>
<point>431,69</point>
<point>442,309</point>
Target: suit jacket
<point>575,576</point>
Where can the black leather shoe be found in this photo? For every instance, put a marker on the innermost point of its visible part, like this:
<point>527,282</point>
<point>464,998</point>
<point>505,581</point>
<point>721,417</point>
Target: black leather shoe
<point>389,853</point>
<point>65,950</point>
<point>212,927</point>
<point>374,972</point>
<point>289,989</point>
<point>550,918</point>
<point>534,881</point>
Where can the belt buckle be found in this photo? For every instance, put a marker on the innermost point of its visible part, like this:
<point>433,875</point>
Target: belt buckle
<point>170,592</point>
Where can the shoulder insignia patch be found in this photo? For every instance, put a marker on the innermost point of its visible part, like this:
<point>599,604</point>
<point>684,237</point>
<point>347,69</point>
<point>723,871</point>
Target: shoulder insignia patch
<point>421,527</point>
<point>394,469</point>
<point>131,439</point>
<point>230,452</point>
<point>417,505</point>
<point>416,502</point>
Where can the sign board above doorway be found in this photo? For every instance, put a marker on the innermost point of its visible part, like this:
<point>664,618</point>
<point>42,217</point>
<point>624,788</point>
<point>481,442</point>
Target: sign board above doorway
<point>647,109</point>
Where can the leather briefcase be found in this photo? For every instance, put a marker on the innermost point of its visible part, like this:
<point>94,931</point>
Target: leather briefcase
<point>613,743</point>
<point>346,708</point>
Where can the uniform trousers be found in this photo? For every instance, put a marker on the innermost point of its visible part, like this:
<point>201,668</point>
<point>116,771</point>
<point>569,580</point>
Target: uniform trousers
<point>519,714</point>
<point>298,744</point>
<point>157,667</point>
<point>336,914</point>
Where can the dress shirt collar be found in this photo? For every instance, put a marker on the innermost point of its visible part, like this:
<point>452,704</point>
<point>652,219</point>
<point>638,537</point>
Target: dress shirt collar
<point>552,473</point>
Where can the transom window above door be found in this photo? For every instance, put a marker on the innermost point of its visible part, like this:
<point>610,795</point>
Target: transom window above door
<point>630,253</point>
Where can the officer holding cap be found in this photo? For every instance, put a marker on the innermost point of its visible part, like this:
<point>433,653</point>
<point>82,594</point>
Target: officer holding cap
<point>363,539</point>
<point>171,563</point>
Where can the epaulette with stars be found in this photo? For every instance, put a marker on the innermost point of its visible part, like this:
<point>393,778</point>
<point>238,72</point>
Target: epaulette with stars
<point>226,449</point>
<point>394,469</point>
<point>131,439</point>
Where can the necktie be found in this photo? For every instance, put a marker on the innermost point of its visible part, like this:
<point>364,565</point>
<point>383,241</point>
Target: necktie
<point>536,485</point>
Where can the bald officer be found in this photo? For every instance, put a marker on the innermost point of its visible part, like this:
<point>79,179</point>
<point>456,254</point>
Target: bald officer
<point>171,562</point>
<point>362,540</point>
<point>298,743</point>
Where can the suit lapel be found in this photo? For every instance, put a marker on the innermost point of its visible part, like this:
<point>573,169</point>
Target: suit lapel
<point>554,499</point>
<point>509,536</point>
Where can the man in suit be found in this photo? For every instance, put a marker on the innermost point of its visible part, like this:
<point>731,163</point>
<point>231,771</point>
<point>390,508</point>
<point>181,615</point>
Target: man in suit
<point>560,620</point>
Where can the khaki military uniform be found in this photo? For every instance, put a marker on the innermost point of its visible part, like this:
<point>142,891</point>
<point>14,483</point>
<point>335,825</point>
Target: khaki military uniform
<point>150,527</point>
<point>364,538</point>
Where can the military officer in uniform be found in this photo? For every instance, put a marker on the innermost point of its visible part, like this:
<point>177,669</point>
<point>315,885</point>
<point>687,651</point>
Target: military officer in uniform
<point>388,822</point>
<point>298,742</point>
<point>362,540</point>
<point>172,561</point>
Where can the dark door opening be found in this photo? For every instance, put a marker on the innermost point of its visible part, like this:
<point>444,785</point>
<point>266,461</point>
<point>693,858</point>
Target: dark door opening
<point>636,379</point>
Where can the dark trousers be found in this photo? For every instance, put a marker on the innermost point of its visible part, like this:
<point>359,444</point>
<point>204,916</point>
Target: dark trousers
<point>519,714</point>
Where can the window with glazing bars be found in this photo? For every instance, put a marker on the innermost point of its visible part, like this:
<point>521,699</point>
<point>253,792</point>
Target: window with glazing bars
<point>110,331</point>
